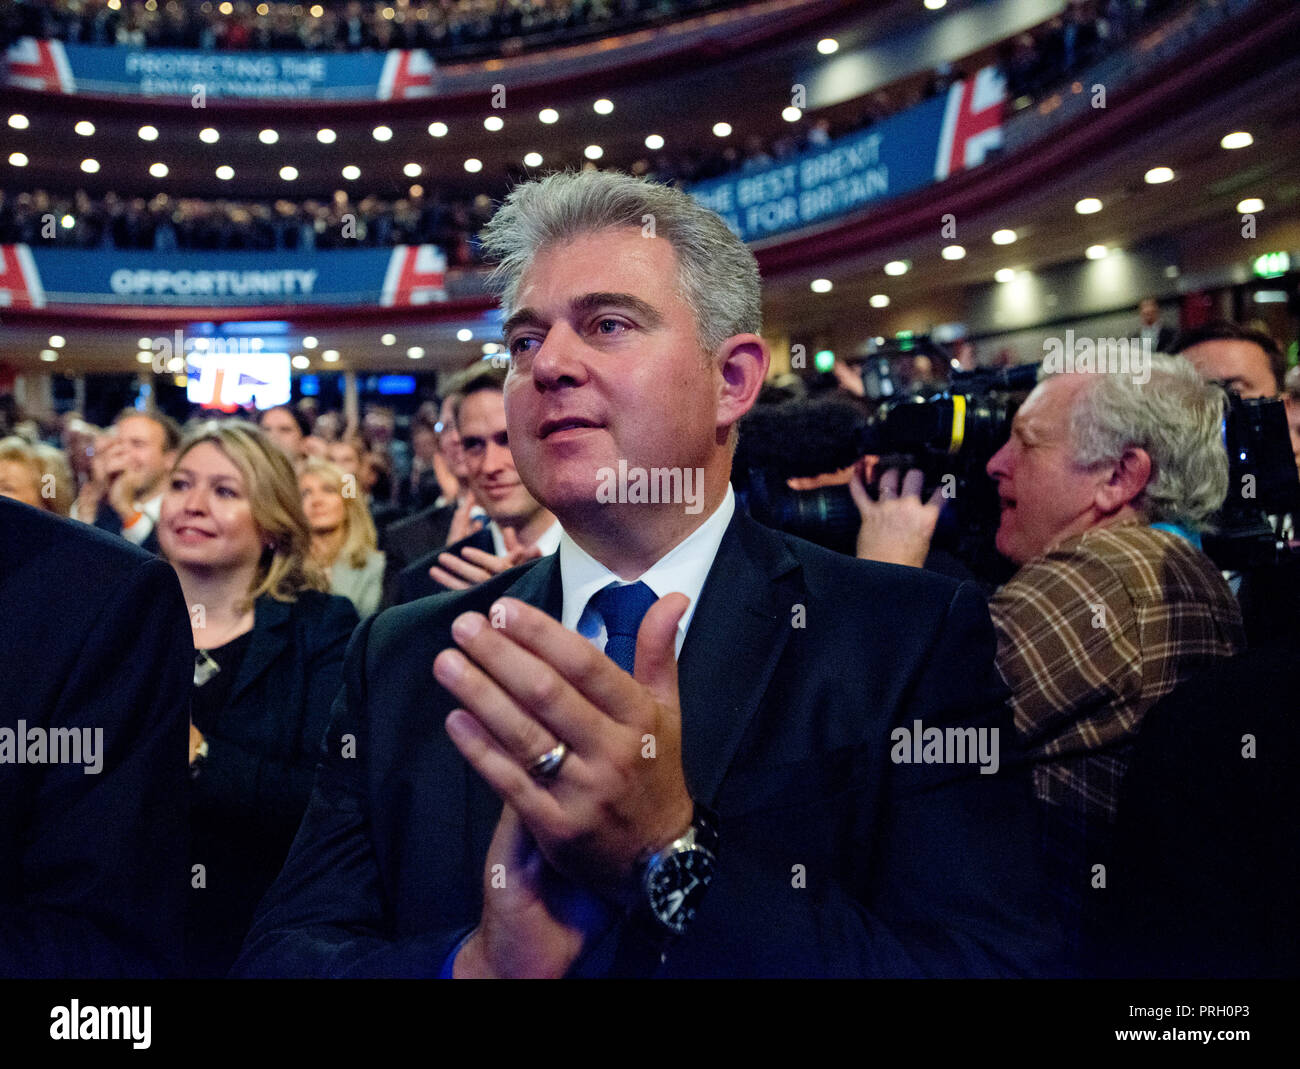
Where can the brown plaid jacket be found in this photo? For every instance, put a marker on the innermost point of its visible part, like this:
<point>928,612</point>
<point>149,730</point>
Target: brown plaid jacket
<point>1090,636</point>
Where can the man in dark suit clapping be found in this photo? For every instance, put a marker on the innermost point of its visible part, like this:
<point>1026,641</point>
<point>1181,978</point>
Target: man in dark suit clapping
<point>677,746</point>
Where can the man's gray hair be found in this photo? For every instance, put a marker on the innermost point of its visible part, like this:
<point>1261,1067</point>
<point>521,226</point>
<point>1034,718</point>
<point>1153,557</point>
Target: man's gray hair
<point>1177,418</point>
<point>717,274</point>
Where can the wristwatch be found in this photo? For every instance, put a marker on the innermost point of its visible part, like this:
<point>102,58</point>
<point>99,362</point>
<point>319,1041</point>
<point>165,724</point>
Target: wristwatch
<point>675,878</point>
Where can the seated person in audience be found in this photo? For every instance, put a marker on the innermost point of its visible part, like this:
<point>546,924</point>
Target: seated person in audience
<point>1243,360</point>
<point>447,520</point>
<point>287,428</point>
<point>92,878</point>
<point>519,528</point>
<point>596,806</point>
<point>124,494</point>
<point>342,536</point>
<point>1104,486</point>
<point>37,475</point>
<point>269,650</point>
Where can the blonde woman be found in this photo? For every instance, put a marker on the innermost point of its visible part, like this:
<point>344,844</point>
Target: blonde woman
<point>36,475</point>
<point>269,648</point>
<point>343,539</point>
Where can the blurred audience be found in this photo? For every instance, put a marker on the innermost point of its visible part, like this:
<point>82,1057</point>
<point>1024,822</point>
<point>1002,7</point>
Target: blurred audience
<point>343,539</point>
<point>37,475</point>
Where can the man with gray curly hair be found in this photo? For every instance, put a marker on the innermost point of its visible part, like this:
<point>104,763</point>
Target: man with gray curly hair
<point>1105,486</point>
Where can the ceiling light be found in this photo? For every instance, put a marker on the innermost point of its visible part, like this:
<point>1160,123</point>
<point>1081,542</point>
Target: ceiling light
<point>603,106</point>
<point>1238,139</point>
<point>593,152</point>
<point>326,136</point>
<point>67,222</point>
<point>18,159</point>
<point>821,285</point>
<point>437,129</point>
<point>548,115</point>
<point>897,267</point>
<point>49,355</point>
<point>1250,205</point>
<point>654,142</point>
<point>387,339</point>
<point>473,166</point>
<point>85,128</point>
<point>722,129</point>
<point>1003,237</point>
<point>828,46</point>
<point>144,343</point>
<point>464,334</point>
<point>209,136</point>
<point>382,133</point>
<point>176,365</point>
<point>90,166</point>
<point>879,300</point>
<point>935,5</point>
<point>309,342</point>
<point>144,358</point>
<point>1096,252</point>
<point>791,114</point>
<point>412,170</point>
<point>330,356</point>
<point>351,172</point>
<point>1088,206</point>
<point>225,172</point>
<point>491,347</point>
<point>288,172</point>
<point>493,123</point>
<point>57,341</point>
<point>1159,174</point>
<point>953,252</point>
<point>300,362</point>
<point>268,137</point>
<point>18,122</point>
<point>415,352</point>
<point>158,170</point>
<point>533,159</point>
<point>1004,274</point>
<point>148,133</point>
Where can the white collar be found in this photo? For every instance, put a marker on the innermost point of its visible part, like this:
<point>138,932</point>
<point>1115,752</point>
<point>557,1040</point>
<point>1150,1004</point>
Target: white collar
<point>548,541</point>
<point>682,569</point>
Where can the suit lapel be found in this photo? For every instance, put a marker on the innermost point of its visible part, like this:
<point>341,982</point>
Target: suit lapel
<point>270,637</point>
<point>736,637</point>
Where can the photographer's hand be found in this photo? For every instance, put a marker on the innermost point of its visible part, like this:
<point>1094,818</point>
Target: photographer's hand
<point>898,527</point>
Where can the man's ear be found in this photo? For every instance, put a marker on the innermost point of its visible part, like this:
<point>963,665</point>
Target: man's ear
<point>743,360</point>
<point>1128,478</point>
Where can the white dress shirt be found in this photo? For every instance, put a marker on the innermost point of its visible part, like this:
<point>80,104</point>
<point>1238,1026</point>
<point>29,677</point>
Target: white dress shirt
<point>681,570</point>
<point>547,542</point>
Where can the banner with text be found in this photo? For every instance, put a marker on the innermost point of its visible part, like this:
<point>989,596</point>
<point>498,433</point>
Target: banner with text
<point>925,144</point>
<point>277,77</point>
<point>36,277</point>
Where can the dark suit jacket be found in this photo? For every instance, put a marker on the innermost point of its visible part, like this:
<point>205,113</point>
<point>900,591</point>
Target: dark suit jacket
<point>1207,859</point>
<point>107,519</point>
<point>797,665</point>
<point>414,582</point>
<point>251,791</point>
<point>94,634</point>
<point>412,537</point>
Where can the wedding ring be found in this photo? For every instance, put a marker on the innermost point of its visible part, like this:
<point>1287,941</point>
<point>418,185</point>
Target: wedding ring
<point>547,767</point>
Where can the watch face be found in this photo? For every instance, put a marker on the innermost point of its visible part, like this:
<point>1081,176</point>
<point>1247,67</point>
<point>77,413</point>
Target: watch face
<point>676,886</point>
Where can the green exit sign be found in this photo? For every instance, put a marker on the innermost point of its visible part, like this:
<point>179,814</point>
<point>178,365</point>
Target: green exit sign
<point>1272,265</point>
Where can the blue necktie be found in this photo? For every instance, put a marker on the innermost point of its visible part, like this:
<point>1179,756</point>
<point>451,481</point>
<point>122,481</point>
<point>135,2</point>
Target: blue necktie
<point>623,608</point>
